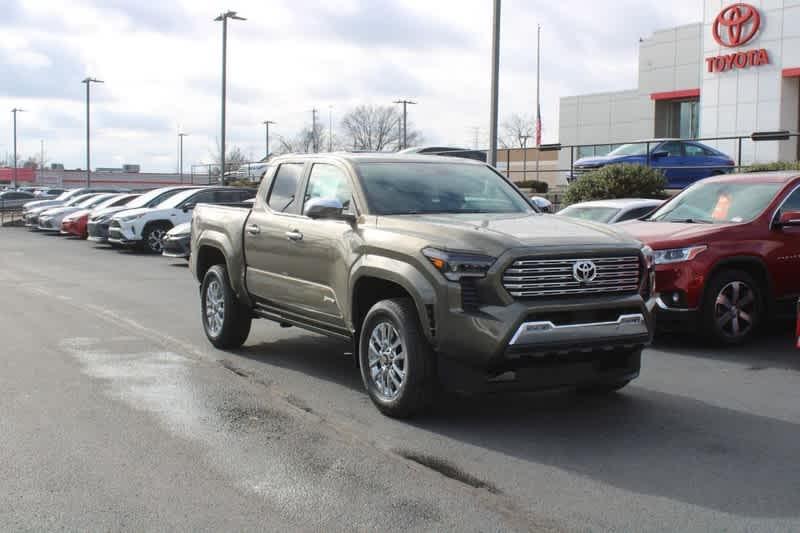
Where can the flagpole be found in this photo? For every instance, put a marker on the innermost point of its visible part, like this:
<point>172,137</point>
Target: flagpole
<point>538,104</point>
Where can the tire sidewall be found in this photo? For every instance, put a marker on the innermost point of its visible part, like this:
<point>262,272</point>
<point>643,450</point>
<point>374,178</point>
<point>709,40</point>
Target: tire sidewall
<point>718,282</point>
<point>381,312</point>
<point>148,230</point>
<point>218,273</point>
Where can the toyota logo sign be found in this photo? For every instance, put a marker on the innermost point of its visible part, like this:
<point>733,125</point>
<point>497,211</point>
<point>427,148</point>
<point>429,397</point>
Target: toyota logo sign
<point>736,25</point>
<point>584,271</point>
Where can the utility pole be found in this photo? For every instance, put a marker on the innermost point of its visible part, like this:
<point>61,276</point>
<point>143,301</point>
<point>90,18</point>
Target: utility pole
<point>330,128</point>
<point>223,17</point>
<point>14,112</point>
<point>266,124</point>
<point>180,164</point>
<point>314,138</point>
<point>495,84</point>
<point>405,103</point>
<point>88,82</point>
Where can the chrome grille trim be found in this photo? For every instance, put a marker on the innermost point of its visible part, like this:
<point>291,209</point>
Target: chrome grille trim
<point>528,278</point>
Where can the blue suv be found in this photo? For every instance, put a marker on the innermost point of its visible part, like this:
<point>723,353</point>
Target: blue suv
<point>683,162</point>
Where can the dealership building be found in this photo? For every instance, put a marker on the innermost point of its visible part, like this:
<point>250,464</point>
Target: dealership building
<point>734,73</point>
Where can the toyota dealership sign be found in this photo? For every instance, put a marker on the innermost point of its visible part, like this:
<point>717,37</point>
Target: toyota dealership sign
<point>735,26</point>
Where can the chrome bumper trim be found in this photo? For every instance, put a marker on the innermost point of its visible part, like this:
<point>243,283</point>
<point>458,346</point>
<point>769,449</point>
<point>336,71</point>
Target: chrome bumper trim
<point>547,332</point>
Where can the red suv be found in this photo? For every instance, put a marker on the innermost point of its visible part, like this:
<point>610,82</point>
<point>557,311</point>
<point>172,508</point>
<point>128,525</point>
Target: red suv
<point>727,253</point>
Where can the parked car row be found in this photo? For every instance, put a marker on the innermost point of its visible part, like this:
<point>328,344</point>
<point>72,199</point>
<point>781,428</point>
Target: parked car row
<point>126,219</point>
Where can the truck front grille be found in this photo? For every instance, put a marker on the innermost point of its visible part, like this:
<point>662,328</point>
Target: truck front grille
<point>531,278</point>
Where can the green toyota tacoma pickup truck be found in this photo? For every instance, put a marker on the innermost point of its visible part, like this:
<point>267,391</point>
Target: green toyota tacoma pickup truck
<point>438,270</point>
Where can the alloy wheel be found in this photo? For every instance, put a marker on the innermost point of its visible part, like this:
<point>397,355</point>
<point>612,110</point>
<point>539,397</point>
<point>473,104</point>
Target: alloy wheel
<point>735,309</point>
<point>387,360</point>
<point>155,239</point>
<point>215,308</point>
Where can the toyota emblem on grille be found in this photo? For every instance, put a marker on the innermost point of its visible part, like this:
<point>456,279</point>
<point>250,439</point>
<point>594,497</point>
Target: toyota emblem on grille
<point>584,271</point>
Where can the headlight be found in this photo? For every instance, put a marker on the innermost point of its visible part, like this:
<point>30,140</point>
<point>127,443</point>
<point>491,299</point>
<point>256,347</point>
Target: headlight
<point>457,265</point>
<point>128,218</point>
<point>678,255</point>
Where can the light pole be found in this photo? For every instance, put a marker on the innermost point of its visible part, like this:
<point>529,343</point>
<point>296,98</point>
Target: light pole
<point>88,82</point>
<point>180,164</point>
<point>14,112</point>
<point>314,136</point>
<point>405,103</point>
<point>495,84</point>
<point>223,17</point>
<point>266,124</point>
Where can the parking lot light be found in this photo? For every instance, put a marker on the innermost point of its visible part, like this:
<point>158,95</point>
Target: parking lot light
<point>223,17</point>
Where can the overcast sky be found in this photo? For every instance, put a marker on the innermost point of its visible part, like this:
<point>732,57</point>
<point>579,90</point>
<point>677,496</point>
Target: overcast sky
<point>160,61</point>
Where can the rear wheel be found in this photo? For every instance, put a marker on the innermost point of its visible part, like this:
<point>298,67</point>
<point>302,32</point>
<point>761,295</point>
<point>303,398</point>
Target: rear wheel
<point>733,307</point>
<point>397,363</point>
<point>154,237</point>
<point>225,320</point>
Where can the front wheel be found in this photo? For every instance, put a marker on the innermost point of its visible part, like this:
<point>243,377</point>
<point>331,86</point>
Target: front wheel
<point>225,320</point>
<point>733,307</point>
<point>397,363</point>
<point>154,237</point>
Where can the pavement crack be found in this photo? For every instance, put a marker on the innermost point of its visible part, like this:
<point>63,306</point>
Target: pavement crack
<point>449,470</point>
<point>233,368</point>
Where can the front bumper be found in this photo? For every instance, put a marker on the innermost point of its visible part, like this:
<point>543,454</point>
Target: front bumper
<point>97,231</point>
<point>178,247</point>
<point>31,221</point>
<point>49,224</point>
<point>123,233</point>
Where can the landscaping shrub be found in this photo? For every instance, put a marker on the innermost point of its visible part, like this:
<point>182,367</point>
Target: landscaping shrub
<point>778,165</point>
<point>617,181</point>
<point>537,186</point>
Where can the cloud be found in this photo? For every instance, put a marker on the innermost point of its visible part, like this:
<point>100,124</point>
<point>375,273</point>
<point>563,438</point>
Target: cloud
<point>42,69</point>
<point>130,121</point>
<point>160,16</point>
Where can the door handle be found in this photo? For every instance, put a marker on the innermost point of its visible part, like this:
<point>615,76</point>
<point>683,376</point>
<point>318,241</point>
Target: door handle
<point>294,235</point>
<point>253,229</point>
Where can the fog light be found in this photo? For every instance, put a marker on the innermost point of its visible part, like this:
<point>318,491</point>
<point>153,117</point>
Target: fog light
<point>676,298</point>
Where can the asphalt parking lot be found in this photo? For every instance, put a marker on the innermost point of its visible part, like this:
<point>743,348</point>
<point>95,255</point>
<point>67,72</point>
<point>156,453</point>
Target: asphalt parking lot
<point>116,413</point>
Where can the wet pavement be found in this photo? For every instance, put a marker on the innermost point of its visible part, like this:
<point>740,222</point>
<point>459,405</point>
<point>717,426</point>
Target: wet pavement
<point>116,414</point>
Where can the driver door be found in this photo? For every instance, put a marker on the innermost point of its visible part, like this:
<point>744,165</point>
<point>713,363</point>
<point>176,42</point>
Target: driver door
<point>671,163</point>
<point>785,259</point>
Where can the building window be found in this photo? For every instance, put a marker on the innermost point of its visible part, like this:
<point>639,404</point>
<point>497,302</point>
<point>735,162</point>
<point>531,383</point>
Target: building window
<point>678,118</point>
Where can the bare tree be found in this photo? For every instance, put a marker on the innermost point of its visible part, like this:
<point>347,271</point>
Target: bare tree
<point>376,129</point>
<point>515,128</point>
<point>233,160</point>
<point>303,141</point>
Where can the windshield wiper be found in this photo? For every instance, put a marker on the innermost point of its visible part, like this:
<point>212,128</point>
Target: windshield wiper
<point>689,221</point>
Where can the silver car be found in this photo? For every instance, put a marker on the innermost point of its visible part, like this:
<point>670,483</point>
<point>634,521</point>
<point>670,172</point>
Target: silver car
<point>50,219</point>
<point>11,200</point>
<point>612,211</point>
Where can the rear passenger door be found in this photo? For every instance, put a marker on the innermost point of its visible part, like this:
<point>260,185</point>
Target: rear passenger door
<point>786,258</point>
<point>266,240</point>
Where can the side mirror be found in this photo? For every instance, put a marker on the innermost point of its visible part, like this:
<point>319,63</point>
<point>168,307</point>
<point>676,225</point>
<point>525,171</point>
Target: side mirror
<point>326,208</point>
<point>188,207</point>
<point>659,154</point>
<point>789,218</point>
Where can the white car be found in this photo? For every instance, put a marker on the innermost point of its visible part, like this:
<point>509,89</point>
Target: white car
<point>50,219</point>
<point>611,211</point>
<point>147,228</point>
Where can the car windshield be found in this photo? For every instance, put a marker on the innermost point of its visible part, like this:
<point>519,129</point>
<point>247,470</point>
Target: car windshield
<point>110,201</point>
<point>95,200</point>
<point>78,199</point>
<point>174,201</point>
<point>630,149</point>
<point>718,202</point>
<point>153,198</point>
<point>66,195</point>
<point>419,188</point>
<point>596,214</point>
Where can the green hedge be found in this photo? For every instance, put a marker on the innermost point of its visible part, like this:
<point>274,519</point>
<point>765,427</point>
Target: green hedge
<point>537,186</point>
<point>778,165</point>
<point>244,183</point>
<point>617,181</point>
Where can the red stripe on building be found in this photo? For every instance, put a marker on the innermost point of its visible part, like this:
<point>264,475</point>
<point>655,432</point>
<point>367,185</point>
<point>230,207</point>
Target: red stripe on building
<point>676,95</point>
<point>791,72</point>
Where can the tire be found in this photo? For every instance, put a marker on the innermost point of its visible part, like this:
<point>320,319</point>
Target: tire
<point>600,389</point>
<point>226,321</point>
<point>153,237</point>
<point>733,307</point>
<point>393,348</point>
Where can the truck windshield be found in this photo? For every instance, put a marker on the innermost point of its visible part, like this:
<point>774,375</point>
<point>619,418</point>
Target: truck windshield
<point>422,188</point>
<point>718,202</point>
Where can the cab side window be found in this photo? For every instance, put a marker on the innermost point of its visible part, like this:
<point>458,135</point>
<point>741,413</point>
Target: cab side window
<point>329,182</point>
<point>284,186</point>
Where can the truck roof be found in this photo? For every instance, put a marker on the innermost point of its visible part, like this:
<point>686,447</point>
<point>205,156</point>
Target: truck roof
<point>376,157</point>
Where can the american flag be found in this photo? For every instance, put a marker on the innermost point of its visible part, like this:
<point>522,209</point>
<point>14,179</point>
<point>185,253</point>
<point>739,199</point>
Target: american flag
<point>538,126</point>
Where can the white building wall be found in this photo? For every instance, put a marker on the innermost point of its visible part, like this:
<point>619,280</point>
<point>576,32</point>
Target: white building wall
<point>758,98</point>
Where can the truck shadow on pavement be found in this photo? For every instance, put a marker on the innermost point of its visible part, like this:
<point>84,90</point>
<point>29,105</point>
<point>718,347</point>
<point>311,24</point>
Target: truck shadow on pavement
<point>639,440</point>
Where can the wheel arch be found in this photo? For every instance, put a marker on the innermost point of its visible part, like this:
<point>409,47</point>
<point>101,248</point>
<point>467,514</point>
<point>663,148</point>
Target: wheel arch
<point>753,265</point>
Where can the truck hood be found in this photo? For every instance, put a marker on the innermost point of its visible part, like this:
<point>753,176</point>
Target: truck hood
<point>664,235</point>
<point>496,233</point>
